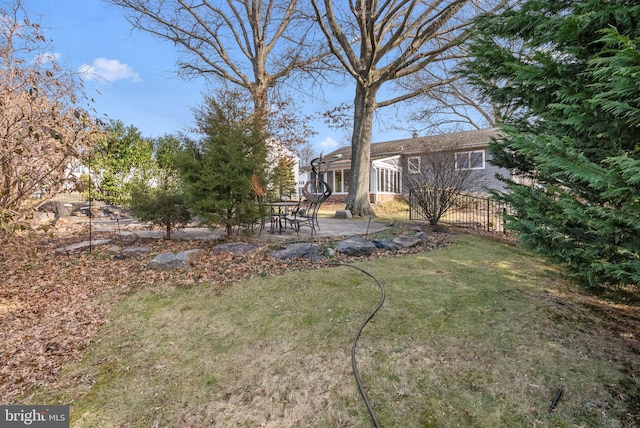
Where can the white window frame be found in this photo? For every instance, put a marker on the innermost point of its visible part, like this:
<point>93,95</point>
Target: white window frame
<point>388,180</point>
<point>468,155</point>
<point>413,168</point>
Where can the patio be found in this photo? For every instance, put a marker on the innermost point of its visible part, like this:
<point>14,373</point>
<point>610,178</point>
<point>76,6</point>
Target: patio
<point>329,227</point>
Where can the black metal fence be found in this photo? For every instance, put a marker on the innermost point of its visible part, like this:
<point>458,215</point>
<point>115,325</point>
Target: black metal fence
<point>469,211</point>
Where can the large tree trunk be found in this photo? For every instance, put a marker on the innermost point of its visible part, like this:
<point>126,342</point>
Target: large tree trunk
<point>358,201</point>
<point>260,96</point>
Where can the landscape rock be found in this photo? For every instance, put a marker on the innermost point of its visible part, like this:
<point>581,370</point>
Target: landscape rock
<point>234,247</point>
<point>343,214</point>
<point>82,245</point>
<point>168,261</point>
<point>385,244</point>
<point>356,246</point>
<point>293,251</point>
<point>113,249</point>
<point>190,256</point>
<point>422,236</point>
<point>43,217</point>
<point>59,209</point>
<point>132,252</point>
<point>164,261</point>
<point>406,241</point>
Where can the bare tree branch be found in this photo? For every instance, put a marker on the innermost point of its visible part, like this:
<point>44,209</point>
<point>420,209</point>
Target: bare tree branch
<point>253,44</point>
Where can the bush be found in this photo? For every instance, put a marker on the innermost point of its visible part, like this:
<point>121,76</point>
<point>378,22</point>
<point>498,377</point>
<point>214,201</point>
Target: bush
<point>164,206</point>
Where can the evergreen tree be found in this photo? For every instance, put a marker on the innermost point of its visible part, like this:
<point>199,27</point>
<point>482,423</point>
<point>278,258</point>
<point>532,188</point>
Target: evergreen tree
<point>573,143</point>
<point>159,197</point>
<point>282,179</point>
<point>121,157</point>
<point>224,171</point>
<point>162,205</point>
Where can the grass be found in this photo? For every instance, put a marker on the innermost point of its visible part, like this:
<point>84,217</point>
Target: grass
<point>476,334</point>
<point>385,212</point>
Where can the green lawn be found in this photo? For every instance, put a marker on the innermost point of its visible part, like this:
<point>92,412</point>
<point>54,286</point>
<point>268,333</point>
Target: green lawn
<point>478,334</point>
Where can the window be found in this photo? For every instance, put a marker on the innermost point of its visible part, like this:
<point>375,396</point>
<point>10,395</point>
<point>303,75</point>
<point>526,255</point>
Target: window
<point>413,164</point>
<point>340,181</point>
<point>470,160</point>
<point>388,181</point>
<point>330,180</point>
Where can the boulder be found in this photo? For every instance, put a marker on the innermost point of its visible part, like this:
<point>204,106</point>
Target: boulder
<point>168,261</point>
<point>343,214</point>
<point>356,246</point>
<point>82,245</point>
<point>293,251</point>
<point>385,244</point>
<point>59,209</point>
<point>43,217</point>
<point>406,241</point>
<point>190,256</point>
<point>132,252</point>
<point>113,249</point>
<point>234,247</point>
<point>422,236</point>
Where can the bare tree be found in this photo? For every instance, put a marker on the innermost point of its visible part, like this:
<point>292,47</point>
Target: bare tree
<point>287,124</point>
<point>457,105</point>
<point>377,42</point>
<point>251,44</point>
<point>435,180</point>
<point>44,128</point>
<point>449,108</point>
<point>305,154</point>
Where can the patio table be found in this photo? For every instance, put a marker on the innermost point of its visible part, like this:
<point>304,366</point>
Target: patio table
<point>278,210</point>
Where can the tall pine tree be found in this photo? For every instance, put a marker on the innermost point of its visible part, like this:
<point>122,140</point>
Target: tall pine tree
<point>574,141</point>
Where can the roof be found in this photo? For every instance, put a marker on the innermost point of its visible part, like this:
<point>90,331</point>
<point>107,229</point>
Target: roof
<point>464,140</point>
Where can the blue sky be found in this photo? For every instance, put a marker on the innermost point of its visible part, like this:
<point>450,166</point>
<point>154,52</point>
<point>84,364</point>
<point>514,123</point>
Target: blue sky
<point>137,81</point>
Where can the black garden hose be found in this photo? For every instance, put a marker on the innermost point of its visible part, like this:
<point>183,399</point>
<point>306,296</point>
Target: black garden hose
<point>355,342</point>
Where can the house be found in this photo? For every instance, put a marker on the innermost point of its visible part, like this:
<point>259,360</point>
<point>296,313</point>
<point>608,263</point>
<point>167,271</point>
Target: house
<point>276,151</point>
<point>390,159</point>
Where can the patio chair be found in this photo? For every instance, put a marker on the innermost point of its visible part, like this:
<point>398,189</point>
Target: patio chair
<point>264,218</point>
<point>305,213</point>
